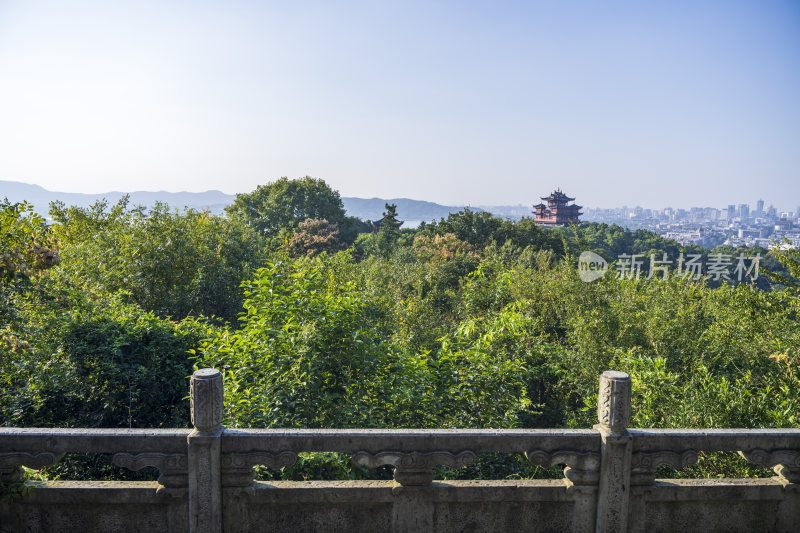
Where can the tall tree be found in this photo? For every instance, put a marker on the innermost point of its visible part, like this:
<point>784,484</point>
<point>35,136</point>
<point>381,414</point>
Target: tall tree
<point>389,222</point>
<point>389,231</point>
<point>283,204</point>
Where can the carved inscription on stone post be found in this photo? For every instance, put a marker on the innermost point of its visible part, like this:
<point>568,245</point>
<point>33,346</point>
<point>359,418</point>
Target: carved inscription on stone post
<point>613,414</point>
<point>206,395</point>
<point>614,402</point>
<point>205,478</point>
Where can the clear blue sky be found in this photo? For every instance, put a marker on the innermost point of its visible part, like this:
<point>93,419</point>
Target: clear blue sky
<point>650,103</point>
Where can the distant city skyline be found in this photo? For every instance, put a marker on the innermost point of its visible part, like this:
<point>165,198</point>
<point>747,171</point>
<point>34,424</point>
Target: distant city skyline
<point>618,103</point>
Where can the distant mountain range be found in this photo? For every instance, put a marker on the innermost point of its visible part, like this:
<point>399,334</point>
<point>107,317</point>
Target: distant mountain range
<point>413,211</point>
<point>41,197</point>
<point>407,209</point>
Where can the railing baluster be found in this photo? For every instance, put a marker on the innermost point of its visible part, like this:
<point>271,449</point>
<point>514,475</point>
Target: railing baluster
<point>613,414</point>
<point>205,477</point>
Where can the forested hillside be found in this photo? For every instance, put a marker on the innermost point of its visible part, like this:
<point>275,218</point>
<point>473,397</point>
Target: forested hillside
<point>318,320</point>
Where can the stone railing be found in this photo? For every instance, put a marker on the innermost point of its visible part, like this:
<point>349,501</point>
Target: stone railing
<point>206,477</point>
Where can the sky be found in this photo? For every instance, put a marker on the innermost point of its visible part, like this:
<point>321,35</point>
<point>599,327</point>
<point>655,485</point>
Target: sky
<point>655,104</point>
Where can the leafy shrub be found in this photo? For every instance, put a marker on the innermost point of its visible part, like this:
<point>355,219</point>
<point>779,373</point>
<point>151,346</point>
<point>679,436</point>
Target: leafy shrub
<point>310,353</point>
<point>314,236</point>
<point>26,243</point>
<point>86,366</point>
<point>173,264</point>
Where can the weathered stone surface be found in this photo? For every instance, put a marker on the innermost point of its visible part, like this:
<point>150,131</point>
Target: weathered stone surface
<point>786,463</point>
<point>680,440</point>
<point>203,444</point>
<point>644,464</point>
<point>409,440</point>
<point>583,468</point>
<point>715,505</point>
<point>613,414</point>
<point>172,467</point>
<point>208,483</point>
<point>614,402</point>
<point>414,468</point>
<point>237,467</point>
<point>524,505</point>
<point>88,506</point>
<point>207,398</point>
<point>59,440</point>
<point>11,461</point>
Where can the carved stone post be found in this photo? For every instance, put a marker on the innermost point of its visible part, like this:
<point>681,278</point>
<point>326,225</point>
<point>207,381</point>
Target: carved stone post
<point>613,415</point>
<point>205,480</point>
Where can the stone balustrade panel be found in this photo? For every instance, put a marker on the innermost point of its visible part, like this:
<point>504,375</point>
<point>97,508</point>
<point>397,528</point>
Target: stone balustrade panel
<point>609,470</point>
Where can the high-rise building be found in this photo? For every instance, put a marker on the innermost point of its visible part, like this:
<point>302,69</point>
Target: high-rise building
<point>744,210</point>
<point>759,207</point>
<point>731,211</point>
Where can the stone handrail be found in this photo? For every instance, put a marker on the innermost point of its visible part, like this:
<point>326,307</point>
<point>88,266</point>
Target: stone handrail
<point>602,464</point>
<point>713,440</point>
<point>419,440</point>
<point>60,440</point>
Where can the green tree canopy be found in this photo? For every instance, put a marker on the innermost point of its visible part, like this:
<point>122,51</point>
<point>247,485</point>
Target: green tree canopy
<point>481,229</point>
<point>174,264</point>
<point>389,222</point>
<point>477,228</point>
<point>388,232</point>
<point>283,204</point>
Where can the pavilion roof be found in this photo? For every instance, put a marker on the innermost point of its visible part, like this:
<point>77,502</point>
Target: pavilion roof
<point>558,195</point>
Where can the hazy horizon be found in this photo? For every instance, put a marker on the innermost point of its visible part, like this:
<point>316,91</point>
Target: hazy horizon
<point>524,204</point>
<point>621,103</point>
